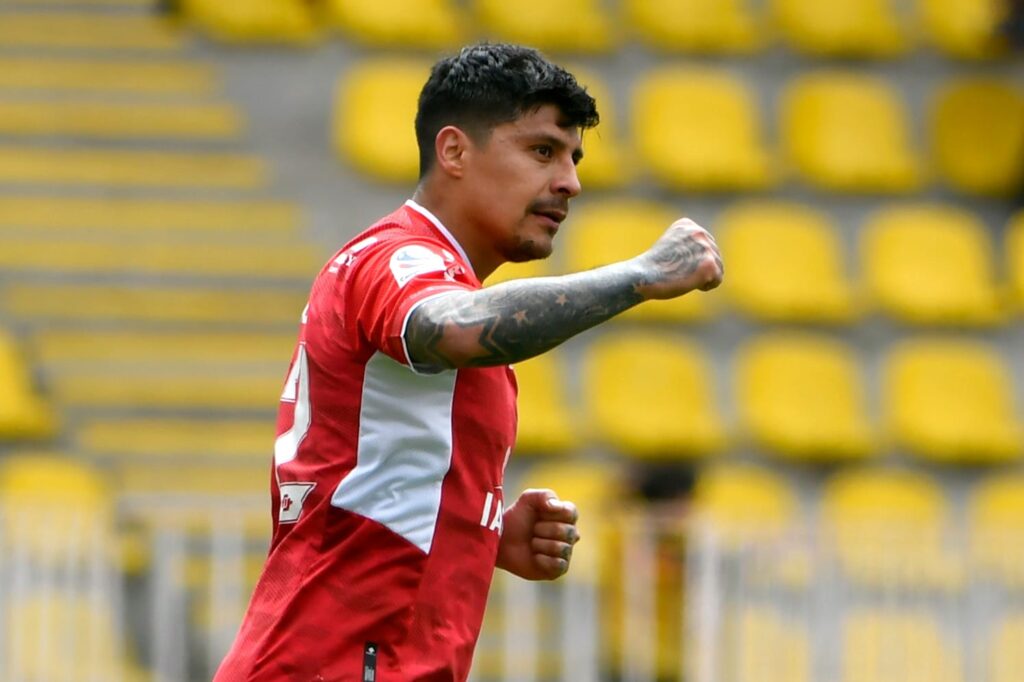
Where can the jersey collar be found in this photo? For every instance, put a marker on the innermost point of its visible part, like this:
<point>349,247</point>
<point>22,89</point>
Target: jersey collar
<point>442,229</point>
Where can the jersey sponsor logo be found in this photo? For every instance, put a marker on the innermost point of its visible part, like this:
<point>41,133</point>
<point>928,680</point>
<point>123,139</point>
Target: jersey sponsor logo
<point>293,496</point>
<point>493,514</point>
<point>412,260</point>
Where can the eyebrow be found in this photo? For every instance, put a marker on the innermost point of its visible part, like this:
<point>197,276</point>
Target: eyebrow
<point>558,143</point>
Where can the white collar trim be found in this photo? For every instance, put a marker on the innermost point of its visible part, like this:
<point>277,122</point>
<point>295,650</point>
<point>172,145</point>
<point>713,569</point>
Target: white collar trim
<point>442,229</point>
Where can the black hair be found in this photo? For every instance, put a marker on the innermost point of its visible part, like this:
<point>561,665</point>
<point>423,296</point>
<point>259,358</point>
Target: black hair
<point>488,84</point>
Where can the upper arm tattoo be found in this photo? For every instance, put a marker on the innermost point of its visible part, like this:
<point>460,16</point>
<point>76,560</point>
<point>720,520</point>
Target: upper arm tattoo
<point>516,320</point>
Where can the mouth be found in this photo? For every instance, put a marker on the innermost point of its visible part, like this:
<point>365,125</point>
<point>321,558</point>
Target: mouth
<point>553,217</point>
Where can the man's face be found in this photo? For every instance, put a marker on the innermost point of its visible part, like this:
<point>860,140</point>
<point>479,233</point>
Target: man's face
<point>519,181</point>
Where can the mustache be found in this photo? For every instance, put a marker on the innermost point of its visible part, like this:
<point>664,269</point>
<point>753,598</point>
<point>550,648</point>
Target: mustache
<point>539,205</point>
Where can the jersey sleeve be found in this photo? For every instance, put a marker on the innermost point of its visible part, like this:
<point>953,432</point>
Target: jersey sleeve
<point>391,280</point>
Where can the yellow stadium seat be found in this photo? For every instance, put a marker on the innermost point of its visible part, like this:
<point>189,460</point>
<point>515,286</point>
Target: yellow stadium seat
<point>89,31</point>
<point>400,23</point>
<point>178,388</point>
<point>167,437</point>
<point>130,121</point>
<point>53,635</point>
<point>81,302</point>
<point>130,168</point>
<point>608,231</point>
<point>547,422</point>
<point>374,108</point>
<point>768,647</point>
<point>785,263</point>
<point>1015,257</point>
<point>581,26</point>
<point>650,395</point>
<point>743,503</point>
<point>607,162</point>
<point>707,26</point>
<point>847,28</point>
<point>950,401</point>
<point>1006,651</point>
<point>995,525</point>
<point>886,528</point>
<point>33,252</point>
<point>218,348</point>
<point>700,130</point>
<point>78,74</point>
<point>93,215</point>
<point>931,264</point>
<point>848,132</point>
<point>893,646</point>
<point>966,29</point>
<point>223,478</point>
<point>254,21</point>
<point>977,135</point>
<point>801,396</point>
<point>23,413</point>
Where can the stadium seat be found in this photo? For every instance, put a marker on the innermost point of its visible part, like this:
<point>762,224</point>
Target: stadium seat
<point>785,262</point>
<point>608,231</point>
<point>432,24</point>
<point>744,504</point>
<point>650,395</point>
<point>24,414</point>
<point>547,421</point>
<point>700,130</point>
<point>374,106</point>
<point>995,528</point>
<point>113,76</point>
<point>206,306</point>
<point>841,28</point>
<point>53,635</point>
<point>977,135</point>
<point>769,647</point>
<point>607,162</point>
<point>582,26</point>
<point>152,438</point>
<point>950,401</point>
<point>92,215</point>
<point>886,529</point>
<point>120,121</point>
<point>288,22</point>
<point>965,29</point>
<point>893,646</point>
<point>703,26</point>
<point>848,132</point>
<point>56,346</point>
<point>931,264</point>
<point>801,396</point>
<point>34,252</point>
<point>1014,237</point>
<point>224,479</point>
<point>130,168</point>
<point>1006,650</point>
<point>88,31</point>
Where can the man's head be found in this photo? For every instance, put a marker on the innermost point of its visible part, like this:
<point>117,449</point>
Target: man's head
<point>503,124</point>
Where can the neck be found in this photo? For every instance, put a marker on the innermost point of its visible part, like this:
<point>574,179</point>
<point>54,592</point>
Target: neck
<point>483,259</point>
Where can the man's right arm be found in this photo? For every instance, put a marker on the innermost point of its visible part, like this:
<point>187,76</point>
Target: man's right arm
<point>517,320</point>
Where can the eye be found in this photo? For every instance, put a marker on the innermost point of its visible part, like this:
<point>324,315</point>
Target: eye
<point>545,150</point>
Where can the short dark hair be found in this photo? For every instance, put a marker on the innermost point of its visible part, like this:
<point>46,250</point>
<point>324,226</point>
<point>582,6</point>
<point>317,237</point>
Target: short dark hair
<point>488,84</point>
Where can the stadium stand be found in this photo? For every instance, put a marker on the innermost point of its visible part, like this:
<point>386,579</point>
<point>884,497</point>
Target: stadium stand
<point>950,400</point>
<point>883,646</point>
<point>964,29</point>
<point>744,502</point>
<point>288,22</point>
<point>548,420</point>
<point>931,264</point>
<point>995,517</point>
<point>400,24</point>
<point>1007,648</point>
<point>780,379</point>
<point>700,26</point>
<point>846,28</point>
<point>581,26</point>
<point>786,263</point>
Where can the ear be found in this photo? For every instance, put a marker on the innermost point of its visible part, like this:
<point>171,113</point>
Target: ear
<point>450,147</point>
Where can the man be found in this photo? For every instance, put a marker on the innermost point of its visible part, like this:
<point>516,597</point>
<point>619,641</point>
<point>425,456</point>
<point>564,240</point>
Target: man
<point>398,414</point>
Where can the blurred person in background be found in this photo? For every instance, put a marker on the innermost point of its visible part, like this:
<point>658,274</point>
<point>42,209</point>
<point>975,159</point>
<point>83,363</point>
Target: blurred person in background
<point>398,413</point>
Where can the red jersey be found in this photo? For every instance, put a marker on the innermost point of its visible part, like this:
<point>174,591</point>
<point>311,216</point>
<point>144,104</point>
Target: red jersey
<point>387,483</point>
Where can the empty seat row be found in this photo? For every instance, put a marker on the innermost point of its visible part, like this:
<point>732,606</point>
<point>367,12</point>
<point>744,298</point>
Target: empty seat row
<point>927,264</point>
<point>797,396</point>
<point>850,28</point>
<point>701,129</point>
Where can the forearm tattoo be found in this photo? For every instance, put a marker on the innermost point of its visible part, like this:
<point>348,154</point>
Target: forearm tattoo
<point>517,320</point>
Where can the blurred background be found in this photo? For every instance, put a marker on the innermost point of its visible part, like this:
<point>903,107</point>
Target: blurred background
<point>811,474</point>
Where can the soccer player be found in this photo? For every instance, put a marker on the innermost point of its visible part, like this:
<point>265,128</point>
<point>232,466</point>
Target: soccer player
<point>398,414</point>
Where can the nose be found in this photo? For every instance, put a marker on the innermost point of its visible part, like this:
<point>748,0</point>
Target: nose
<point>567,182</point>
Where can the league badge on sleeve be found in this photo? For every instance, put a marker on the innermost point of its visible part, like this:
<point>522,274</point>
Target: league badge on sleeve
<point>293,495</point>
<point>415,259</point>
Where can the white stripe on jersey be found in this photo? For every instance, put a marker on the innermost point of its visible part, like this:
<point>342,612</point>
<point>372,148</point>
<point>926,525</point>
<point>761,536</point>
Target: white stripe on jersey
<point>405,449</point>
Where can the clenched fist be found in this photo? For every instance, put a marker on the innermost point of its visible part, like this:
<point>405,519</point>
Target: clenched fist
<point>685,258</point>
